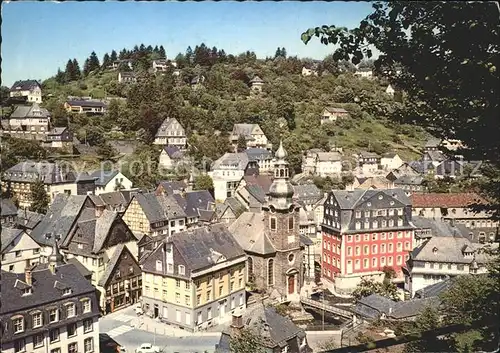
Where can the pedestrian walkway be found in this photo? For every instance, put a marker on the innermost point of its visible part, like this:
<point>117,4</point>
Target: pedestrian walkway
<point>123,318</point>
<point>120,330</point>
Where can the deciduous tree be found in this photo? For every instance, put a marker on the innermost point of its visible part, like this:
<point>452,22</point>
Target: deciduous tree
<point>38,197</point>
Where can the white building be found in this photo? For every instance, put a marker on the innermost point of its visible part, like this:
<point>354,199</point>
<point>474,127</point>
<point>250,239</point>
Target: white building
<point>391,161</point>
<point>18,250</point>
<point>30,89</point>
<point>109,181</point>
<point>443,257</point>
<point>364,73</point>
<point>227,173</point>
<point>263,157</point>
<point>171,157</point>
<point>171,133</point>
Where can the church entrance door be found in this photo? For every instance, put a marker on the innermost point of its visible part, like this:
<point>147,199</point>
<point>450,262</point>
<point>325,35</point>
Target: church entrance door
<point>291,284</point>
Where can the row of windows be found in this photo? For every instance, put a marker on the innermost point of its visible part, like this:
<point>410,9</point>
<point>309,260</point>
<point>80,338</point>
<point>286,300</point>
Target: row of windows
<point>19,323</point>
<point>381,212</point>
<point>273,223</point>
<point>374,249</point>
<point>379,224</point>
<point>375,236</point>
<point>39,339</point>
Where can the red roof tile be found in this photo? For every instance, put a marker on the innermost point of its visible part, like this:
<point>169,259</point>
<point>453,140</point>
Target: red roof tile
<point>445,200</point>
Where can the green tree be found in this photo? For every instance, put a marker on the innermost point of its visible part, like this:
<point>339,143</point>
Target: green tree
<point>203,182</point>
<point>428,319</point>
<point>113,56</point>
<point>245,342</point>
<point>368,287</point>
<point>438,89</point>
<point>162,52</point>
<point>105,151</point>
<point>76,73</point>
<point>242,143</point>
<point>94,62</point>
<point>106,61</point>
<point>38,197</point>
<point>69,73</point>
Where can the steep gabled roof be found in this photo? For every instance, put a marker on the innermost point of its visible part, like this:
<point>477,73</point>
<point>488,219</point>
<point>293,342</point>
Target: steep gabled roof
<point>336,110</point>
<point>33,111</point>
<point>24,85</point>
<point>113,261</point>
<point>8,208</point>
<point>167,125</point>
<point>86,103</point>
<point>8,236</point>
<point>103,177</point>
<point>249,231</point>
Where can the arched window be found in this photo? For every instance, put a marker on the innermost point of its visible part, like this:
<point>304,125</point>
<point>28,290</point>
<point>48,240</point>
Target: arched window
<point>270,272</point>
<point>290,223</point>
<point>250,268</point>
<point>282,173</point>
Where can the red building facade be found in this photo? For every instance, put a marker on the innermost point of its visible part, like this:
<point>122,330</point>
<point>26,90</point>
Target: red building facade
<point>365,231</point>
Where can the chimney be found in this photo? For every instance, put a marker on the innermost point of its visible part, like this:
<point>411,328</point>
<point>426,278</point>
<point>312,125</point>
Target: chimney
<point>390,311</point>
<point>236,324</point>
<point>27,275</point>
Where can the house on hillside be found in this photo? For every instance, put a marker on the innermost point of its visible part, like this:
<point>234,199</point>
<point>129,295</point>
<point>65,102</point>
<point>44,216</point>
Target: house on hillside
<point>160,65</point>
<point>254,136</point>
<point>197,81</point>
<point>390,90</point>
<point>128,63</point>
<point>319,163</point>
<point>256,84</point>
<point>310,70</point>
<point>410,183</point>
<point>19,178</point>
<point>109,181</point>
<point>262,156</point>
<point>8,212</point>
<point>390,161</point>
<point>171,157</point>
<point>364,73</point>
<point>332,114</point>
<point>369,162</point>
<point>227,173</point>
<point>31,90</point>
<point>127,77</point>
<point>60,137</point>
<point>171,133</point>
<point>85,106</point>
<point>28,122</point>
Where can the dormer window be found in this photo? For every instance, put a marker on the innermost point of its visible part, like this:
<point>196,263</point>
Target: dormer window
<point>434,250</point>
<point>182,270</point>
<point>18,323</point>
<point>70,310</point>
<point>27,291</point>
<point>159,266</point>
<point>67,291</point>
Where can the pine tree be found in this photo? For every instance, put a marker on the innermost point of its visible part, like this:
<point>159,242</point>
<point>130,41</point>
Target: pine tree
<point>39,197</point>
<point>242,143</point>
<point>189,55</point>
<point>86,67</point>
<point>278,53</point>
<point>149,49</point>
<point>142,48</point>
<point>114,56</point>
<point>162,52</point>
<point>123,54</point>
<point>106,61</point>
<point>60,76</point>
<point>94,62</point>
<point>69,73</point>
<point>76,71</point>
<point>155,49</point>
<point>283,52</point>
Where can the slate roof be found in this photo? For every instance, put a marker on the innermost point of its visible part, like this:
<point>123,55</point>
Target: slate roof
<point>273,329</point>
<point>159,208</point>
<point>167,126</point>
<point>199,248</point>
<point>57,131</point>
<point>115,199</point>
<point>438,227</point>
<point>81,268</point>
<point>374,305</point>
<point>194,201</point>
<point>44,289</point>
<point>433,142</point>
<point>110,266</point>
<point>172,187</point>
<point>365,154</point>
<point>449,250</point>
<point>8,236</point>
<point>249,231</point>
<point>60,218</point>
<point>256,79</point>
<point>28,219</point>
<point>33,111</point>
<point>409,180</point>
<point>127,74</point>
<point>434,290</point>
<point>329,156</point>
<point>421,167</point>
<point>8,208</point>
<point>307,193</point>
<point>447,200</point>
<point>30,171</point>
<point>389,155</point>
<point>24,85</point>
<point>86,103</point>
<point>258,154</point>
<point>435,156</point>
<point>243,129</point>
<point>232,160</point>
<point>234,203</point>
<point>336,110</point>
<point>173,152</point>
<point>103,177</point>
<point>348,200</point>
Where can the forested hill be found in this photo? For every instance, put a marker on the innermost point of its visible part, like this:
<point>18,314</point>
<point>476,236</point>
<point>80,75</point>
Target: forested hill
<point>289,106</point>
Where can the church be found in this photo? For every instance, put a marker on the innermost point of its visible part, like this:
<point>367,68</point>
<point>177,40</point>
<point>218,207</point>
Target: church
<point>271,238</point>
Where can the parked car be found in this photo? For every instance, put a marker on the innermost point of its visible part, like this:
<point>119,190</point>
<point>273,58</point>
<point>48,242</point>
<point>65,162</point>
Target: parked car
<point>138,309</point>
<point>147,348</point>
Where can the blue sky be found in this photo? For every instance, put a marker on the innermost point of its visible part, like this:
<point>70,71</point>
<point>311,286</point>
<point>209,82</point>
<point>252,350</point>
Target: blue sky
<point>39,37</point>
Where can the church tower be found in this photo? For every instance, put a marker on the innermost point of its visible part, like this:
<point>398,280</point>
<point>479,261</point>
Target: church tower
<point>281,217</point>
